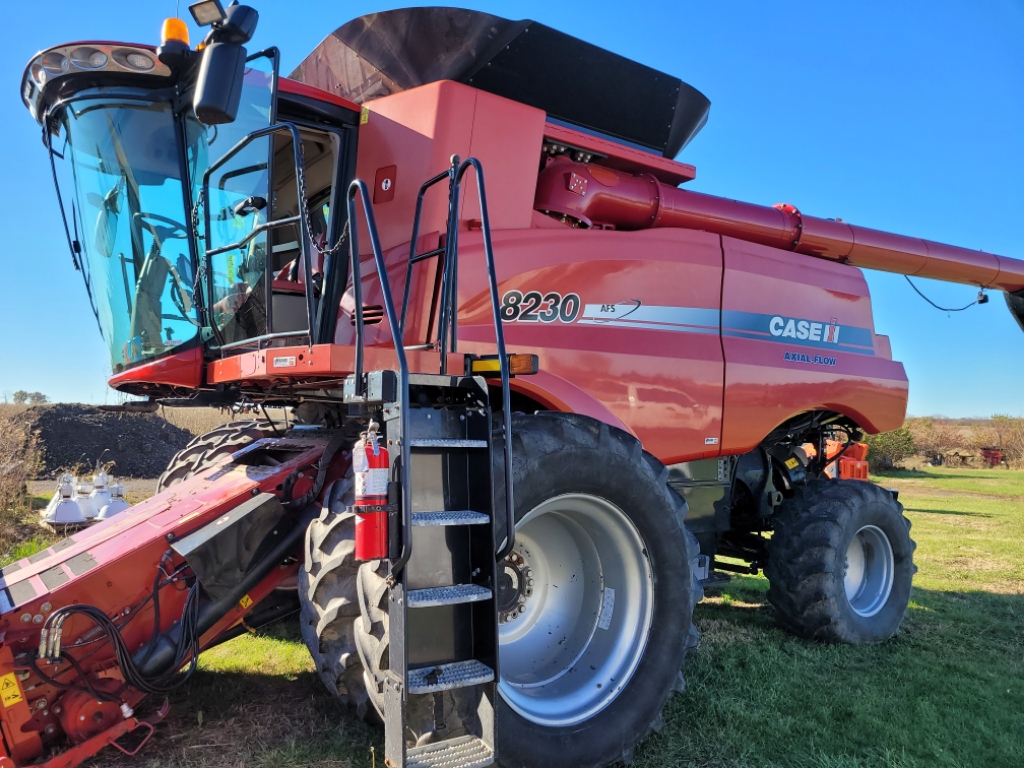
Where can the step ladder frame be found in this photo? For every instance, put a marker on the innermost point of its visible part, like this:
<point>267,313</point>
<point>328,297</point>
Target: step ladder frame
<point>397,422</point>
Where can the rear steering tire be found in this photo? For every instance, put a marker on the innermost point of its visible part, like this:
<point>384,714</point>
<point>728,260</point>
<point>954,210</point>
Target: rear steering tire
<point>840,562</point>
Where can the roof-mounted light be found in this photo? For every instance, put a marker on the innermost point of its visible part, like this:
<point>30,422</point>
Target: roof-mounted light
<point>55,63</point>
<point>87,63</point>
<point>207,12</point>
<point>88,58</point>
<point>174,29</point>
<point>134,60</point>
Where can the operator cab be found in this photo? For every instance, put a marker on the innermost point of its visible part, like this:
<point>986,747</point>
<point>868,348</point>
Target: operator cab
<point>193,236</point>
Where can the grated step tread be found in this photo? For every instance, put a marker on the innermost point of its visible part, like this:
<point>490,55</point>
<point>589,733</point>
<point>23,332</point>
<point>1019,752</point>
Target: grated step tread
<point>425,442</point>
<point>453,595</point>
<point>460,752</point>
<point>456,517</point>
<point>448,677</point>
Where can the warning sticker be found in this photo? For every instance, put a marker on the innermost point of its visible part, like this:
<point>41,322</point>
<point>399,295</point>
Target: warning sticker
<point>245,602</point>
<point>10,693</point>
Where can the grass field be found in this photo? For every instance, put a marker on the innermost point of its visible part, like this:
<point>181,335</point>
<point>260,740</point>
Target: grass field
<point>947,691</point>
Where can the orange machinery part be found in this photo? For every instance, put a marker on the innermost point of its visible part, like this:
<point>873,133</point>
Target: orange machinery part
<point>853,464</point>
<point>599,196</point>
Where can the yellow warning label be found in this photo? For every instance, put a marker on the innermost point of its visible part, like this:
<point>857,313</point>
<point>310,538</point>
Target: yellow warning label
<point>245,602</point>
<point>10,693</point>
<point>791,463</point>
<point>364,116</point>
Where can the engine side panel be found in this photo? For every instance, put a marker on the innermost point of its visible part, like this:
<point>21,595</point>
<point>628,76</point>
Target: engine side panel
<point>798,335</point>
<point>645,350</point>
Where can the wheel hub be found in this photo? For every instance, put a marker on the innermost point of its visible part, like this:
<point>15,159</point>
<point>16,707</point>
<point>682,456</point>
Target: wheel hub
<point>576,599</point>
<point>869,571</point>
<point>515,586</point>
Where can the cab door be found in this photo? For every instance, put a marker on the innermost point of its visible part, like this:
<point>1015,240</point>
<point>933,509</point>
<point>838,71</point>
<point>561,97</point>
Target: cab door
<point>233,208</point>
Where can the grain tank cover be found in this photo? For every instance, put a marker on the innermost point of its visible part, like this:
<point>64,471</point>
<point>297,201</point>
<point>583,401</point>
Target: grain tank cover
<point>573,81</point>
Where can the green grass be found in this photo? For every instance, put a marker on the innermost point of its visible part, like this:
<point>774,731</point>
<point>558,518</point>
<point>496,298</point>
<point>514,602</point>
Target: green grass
<point>947,691</point>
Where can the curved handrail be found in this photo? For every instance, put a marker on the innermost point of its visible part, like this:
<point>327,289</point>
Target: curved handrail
<point>358,187</point>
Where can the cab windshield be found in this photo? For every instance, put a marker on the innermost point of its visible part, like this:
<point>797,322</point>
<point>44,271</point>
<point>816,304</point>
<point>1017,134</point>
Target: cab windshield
<point>119,178</point>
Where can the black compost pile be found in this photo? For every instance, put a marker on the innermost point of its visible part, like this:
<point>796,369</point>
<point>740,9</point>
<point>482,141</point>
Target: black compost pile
<point>75,436</point>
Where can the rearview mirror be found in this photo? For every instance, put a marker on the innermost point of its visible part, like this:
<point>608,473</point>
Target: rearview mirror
<point>219,86</point>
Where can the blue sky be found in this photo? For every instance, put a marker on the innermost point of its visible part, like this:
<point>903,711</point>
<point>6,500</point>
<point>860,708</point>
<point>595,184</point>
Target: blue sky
<point>904,116</point>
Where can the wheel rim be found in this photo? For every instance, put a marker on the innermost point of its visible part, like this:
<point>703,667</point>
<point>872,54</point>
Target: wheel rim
<point>572,639</point>
<point>869,571</point>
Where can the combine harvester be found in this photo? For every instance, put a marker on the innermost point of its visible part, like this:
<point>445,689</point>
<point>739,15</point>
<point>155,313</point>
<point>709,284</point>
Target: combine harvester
<point>489,544</point>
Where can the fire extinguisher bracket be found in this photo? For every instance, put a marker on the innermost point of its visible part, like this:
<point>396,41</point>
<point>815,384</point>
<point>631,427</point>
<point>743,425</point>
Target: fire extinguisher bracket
<point>373,508</point>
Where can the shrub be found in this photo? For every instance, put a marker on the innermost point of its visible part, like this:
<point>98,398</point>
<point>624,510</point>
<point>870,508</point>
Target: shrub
<point>889,449</point>
<point>19,461</point>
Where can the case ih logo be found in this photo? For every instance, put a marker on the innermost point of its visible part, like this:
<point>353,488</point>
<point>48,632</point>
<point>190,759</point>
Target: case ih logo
<point>792,328</point>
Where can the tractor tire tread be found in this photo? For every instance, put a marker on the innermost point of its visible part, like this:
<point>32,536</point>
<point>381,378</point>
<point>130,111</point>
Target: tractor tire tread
<point>806,561</point>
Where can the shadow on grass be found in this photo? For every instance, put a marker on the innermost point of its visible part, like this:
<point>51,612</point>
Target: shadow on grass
<point>910,474</point>
<point>947,690</point>
<point>957,512</point>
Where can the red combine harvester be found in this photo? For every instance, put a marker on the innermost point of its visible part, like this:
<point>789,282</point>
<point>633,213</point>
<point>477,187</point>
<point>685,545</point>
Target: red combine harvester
<point>315,242</point>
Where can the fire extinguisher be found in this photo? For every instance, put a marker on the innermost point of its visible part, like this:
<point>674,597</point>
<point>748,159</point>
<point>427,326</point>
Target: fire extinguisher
<point>370,470</point>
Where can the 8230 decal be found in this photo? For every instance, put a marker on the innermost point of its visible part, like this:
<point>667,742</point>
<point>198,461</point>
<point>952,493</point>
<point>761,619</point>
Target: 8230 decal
<point>534,306</point>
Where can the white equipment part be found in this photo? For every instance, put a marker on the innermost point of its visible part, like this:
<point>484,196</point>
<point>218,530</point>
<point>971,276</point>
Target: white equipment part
<point>99,498</point>
<point>116,503</point>
<point>66,511</point>
<point>65,479</point>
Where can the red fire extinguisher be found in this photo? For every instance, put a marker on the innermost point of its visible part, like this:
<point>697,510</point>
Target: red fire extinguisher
<point>370,469</point>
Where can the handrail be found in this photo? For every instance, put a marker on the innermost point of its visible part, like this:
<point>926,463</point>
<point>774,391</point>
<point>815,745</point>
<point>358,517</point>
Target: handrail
<point>499,337</point>
<point>447,327</point>
<point>304,236</point>
<point>413,258</point>
<point>358,186</point>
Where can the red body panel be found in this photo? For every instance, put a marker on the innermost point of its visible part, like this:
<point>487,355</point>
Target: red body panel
<point>184,369</point>
<point>763,388</point>
<point>301,89</point>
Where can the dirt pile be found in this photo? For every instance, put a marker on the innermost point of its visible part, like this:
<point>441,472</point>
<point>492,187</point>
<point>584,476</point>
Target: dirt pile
<point>71,434</point>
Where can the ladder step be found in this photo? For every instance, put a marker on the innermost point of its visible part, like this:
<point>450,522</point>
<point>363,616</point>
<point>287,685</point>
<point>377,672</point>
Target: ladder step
<point>463,517</point>
<point>460,752</point>
<point>423,442</point>
<point>459,593</point>
<point>447,677</point>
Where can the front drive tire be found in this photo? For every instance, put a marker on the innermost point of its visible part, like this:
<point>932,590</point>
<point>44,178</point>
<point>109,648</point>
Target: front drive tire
<point>591,489</point>
<point>587,495</point>
<point>212,448</point>
<point>840,562</point>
